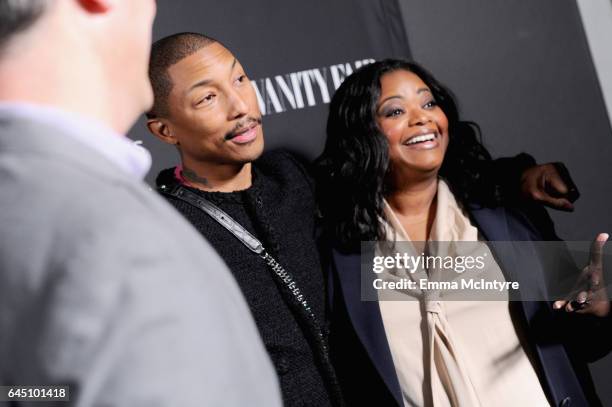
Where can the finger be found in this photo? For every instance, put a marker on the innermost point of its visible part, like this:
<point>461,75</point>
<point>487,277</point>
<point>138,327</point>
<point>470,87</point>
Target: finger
<point>596,250</point>
<point>595,280</point>
<point>542,181</point>
<point>578,303</point>
<point>586,304</point>
<point>556,183</point>
<point>557,203</point>
<point>559,304</point>
<point>536,193</point>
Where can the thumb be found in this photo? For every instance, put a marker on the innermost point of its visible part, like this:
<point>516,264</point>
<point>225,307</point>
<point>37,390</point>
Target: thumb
<point>596,249</point>
<point>557,203</point>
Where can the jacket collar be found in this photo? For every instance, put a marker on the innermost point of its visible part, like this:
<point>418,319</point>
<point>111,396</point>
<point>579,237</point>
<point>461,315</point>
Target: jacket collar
<point>24,136</point>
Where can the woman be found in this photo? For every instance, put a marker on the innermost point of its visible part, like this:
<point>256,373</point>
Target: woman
<point>399,164</point>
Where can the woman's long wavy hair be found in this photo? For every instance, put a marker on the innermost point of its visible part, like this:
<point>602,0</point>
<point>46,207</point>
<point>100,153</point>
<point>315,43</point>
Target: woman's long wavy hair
<point>352,172</point>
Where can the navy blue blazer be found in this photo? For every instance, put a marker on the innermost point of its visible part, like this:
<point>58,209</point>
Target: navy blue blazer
<point>361,355</point>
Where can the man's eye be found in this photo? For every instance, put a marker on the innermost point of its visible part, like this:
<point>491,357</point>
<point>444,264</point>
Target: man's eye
<point>207,99</point>
<point>242,78</point>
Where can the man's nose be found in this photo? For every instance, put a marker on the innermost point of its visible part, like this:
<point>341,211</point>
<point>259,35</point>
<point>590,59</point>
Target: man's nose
<point>238,105</point>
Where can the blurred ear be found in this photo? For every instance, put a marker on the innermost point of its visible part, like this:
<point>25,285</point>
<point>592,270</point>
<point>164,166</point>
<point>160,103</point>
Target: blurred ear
<point>160,129</point>
<point>96,6</point>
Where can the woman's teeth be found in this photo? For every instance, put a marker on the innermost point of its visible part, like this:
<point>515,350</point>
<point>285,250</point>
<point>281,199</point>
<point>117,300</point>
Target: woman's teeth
<point>421,139</point>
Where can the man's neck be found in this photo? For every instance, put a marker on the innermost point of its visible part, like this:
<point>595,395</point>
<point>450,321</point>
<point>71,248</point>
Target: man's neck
<point>218,178</point>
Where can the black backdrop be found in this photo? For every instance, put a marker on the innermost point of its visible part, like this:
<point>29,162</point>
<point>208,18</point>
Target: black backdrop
<point>522,70</point>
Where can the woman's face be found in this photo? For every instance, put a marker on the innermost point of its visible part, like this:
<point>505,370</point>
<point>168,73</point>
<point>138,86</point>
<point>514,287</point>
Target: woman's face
<point>415,126</point>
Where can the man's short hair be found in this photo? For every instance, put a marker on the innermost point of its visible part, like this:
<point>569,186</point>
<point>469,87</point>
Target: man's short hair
<point>165,53</point>
<point>17,16</point>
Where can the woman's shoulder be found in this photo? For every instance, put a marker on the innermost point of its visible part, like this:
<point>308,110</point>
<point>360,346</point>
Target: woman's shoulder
<point>536,217</point>
<point>529,221</point>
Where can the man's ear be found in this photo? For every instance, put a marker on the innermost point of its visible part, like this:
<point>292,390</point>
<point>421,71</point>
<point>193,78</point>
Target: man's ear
<point>96,6</point>
<point>160,129</point>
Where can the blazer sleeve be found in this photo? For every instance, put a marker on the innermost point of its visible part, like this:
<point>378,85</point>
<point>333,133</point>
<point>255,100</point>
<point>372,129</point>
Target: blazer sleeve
<point>587,337</point>
<point>500,181</point>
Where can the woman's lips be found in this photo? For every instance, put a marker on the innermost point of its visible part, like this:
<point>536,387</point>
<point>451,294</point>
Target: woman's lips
<point>426,141</point>
<point>427,145</point>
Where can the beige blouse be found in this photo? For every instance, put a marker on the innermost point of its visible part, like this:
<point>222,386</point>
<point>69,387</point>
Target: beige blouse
<point>454,353</point>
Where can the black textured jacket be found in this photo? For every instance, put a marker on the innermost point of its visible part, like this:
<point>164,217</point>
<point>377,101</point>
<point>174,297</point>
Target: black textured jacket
<point>278,209</point>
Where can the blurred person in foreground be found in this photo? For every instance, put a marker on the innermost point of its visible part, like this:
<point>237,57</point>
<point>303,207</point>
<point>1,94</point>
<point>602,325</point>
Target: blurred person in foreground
<point>400,165</point>
<point>103,286</point>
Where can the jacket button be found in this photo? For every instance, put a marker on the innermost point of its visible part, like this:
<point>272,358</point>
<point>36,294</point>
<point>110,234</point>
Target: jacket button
<point>566,402</point>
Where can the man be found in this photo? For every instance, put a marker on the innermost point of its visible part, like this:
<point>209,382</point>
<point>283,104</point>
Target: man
<point>207,108</point>
<point>103,287</point>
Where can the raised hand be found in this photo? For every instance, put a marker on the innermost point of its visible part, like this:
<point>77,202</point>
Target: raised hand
<point>551,185</point>
<point>589,295</point>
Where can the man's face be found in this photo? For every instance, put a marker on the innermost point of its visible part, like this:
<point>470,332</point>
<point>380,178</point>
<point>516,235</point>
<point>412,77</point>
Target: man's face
<point>213,111</point>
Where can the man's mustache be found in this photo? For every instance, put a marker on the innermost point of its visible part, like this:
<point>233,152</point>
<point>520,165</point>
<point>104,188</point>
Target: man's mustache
<point>242,126</point>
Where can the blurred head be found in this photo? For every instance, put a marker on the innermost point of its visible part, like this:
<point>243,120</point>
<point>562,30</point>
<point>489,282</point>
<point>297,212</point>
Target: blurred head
<point>128,43</point>
<point>90,56</point>
<point>204,102</point>
<point>17,16</point>
<point>390,123</point>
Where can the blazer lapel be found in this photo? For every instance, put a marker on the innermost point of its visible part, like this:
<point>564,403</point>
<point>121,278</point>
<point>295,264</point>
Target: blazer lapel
<point>366,320</point>
<point>512,246</point>
<point>519,263</point>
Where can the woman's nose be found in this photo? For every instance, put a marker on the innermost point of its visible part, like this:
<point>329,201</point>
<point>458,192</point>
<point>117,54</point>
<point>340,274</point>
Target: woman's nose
<point>419,118</point>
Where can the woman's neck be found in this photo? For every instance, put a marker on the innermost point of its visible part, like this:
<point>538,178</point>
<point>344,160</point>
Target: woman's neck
<point>415,207</point>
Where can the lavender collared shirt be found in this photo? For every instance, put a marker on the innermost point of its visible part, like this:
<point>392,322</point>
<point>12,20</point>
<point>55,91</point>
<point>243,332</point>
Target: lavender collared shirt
<point>126,154</point>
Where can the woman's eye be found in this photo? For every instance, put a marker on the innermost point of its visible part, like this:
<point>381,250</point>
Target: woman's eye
<point>393,112</point>
<point>430,104</point>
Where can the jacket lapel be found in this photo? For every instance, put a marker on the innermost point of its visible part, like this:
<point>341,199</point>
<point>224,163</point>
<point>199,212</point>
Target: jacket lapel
<point>518,263</point>
<point>366,319</point>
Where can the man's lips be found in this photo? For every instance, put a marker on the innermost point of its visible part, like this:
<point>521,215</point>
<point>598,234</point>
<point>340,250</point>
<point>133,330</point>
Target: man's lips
<point>244,136</point>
